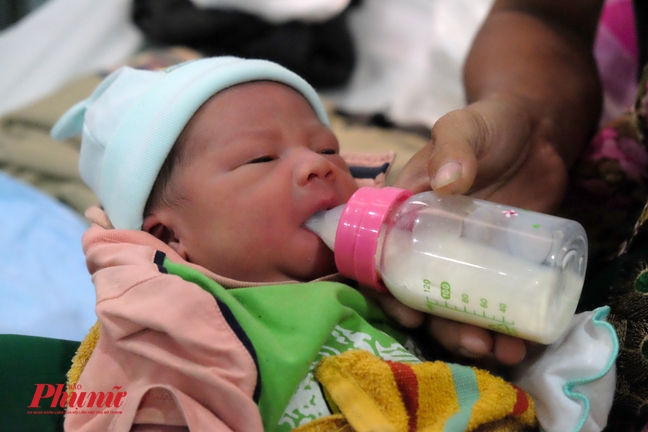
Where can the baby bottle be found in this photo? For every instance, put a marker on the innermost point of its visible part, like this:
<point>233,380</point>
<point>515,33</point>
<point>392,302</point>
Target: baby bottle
<point>499,267</point>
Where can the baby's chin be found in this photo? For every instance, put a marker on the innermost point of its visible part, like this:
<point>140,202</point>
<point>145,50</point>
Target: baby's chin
<point>321,264</point>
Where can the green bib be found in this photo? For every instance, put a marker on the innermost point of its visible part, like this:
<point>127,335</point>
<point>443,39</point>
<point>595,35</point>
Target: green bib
<point>291,327</point>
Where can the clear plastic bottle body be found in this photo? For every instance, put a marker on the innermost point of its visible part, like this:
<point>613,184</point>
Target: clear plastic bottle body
<point>494,266</point>
<point>498,267</point>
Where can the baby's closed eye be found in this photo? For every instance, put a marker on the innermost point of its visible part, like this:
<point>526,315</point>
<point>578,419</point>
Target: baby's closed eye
<point>262,159</point>
<point>328,151</point>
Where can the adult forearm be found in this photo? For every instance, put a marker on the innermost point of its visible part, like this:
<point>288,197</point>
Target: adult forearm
<point>540,53</point>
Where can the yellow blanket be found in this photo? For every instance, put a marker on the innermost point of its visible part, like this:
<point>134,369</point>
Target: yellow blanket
<point>371,394</point>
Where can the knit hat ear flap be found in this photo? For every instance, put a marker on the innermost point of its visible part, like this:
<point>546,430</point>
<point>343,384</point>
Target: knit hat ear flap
<point>71,123</point>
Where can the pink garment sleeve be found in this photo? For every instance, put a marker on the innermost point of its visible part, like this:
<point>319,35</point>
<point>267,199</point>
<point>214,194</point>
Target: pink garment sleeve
<point>164,342</point>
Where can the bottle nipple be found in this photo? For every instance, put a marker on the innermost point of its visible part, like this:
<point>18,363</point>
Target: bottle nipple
<point>324,223</point>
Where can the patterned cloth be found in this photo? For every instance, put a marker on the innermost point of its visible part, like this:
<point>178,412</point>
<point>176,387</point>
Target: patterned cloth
<point>608,196</point>
<point>608,187</point>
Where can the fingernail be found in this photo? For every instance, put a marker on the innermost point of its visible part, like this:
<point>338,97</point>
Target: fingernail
<point>476,346</point>
<point>447,174</point>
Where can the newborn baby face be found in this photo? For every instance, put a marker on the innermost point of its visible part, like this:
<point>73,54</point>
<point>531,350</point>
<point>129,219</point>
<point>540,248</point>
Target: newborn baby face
<point>258,164</point>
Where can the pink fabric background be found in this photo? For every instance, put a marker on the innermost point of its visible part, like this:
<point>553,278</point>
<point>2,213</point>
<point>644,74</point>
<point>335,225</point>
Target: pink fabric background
<point>615,51</point>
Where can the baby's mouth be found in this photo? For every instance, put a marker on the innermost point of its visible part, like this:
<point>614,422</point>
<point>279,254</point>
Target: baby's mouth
<point>324,224</point>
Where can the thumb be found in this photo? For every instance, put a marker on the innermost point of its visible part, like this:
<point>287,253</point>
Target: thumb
<point>494,135</point>
<point>448,163</point>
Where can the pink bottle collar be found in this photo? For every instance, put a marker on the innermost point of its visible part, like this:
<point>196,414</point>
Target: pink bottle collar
<point>356,239</point>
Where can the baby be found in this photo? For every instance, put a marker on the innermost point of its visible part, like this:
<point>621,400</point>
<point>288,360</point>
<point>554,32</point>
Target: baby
<point>251,166</point>
<point>217,308</point>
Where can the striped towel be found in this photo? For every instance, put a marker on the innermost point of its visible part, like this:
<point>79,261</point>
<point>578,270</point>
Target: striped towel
<point>370,394</point>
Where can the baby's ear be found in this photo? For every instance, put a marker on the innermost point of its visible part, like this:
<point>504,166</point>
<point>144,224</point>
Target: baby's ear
<point>159,230</point>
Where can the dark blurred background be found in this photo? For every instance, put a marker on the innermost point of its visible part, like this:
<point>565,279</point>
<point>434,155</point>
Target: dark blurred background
<point>12,10</point>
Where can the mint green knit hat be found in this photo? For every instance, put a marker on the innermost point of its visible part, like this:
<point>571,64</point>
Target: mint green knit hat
<point>132,119</point>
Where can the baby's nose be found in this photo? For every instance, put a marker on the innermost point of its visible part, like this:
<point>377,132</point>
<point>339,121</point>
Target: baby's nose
<point>312,166</point>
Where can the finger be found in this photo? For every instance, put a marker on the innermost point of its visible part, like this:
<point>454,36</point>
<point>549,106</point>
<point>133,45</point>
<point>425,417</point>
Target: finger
<point>396,310</point>
<point>463,339</point>
<point>509,350</point>
<point>456,143</point>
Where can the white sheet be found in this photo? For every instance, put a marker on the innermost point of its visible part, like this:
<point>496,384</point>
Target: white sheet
<point>410,57</point>
<point>59,41</point>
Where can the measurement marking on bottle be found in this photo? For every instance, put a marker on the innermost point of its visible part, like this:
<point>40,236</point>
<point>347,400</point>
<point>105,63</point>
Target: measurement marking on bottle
<point>435,303</point>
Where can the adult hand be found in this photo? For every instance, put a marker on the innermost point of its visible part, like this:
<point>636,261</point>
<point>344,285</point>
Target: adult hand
<point>492,149</point>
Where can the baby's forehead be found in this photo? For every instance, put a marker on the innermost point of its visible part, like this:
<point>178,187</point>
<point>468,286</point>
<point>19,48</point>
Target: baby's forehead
<point>256,86</point>
<point>253,96</point>
<point>230,113</point>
